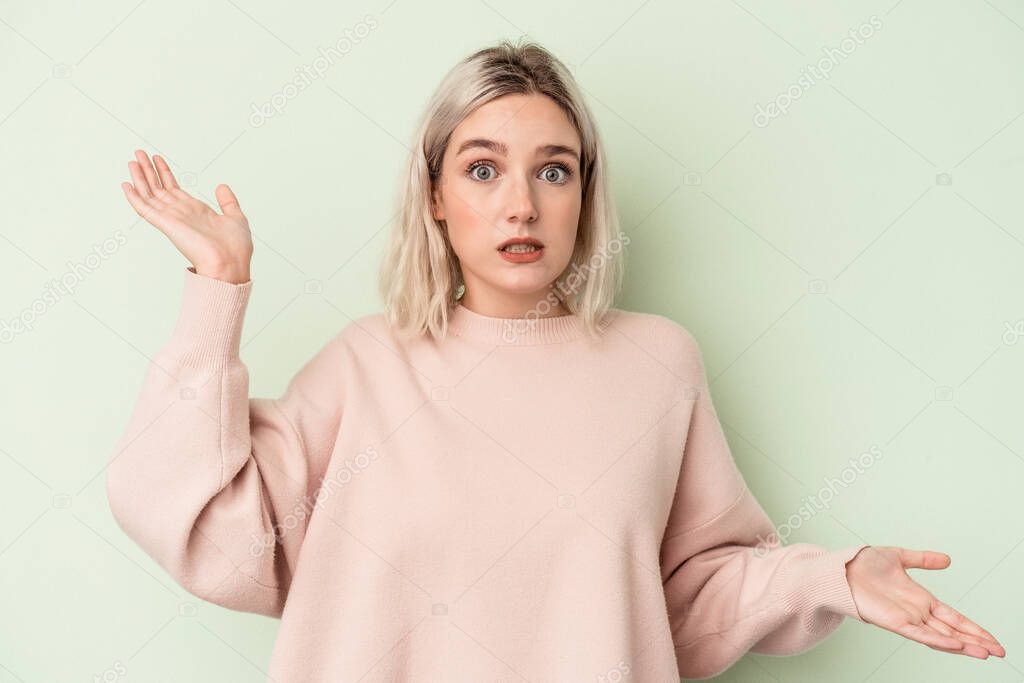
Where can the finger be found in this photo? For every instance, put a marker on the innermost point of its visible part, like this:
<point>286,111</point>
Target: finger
<point>923,559</point>
<point>228,201</point>
<point>138,202</point>
<point>952,645</point>
<point>945,629</point>
<point>948,615</point>
<point>968,650</point>
<point>164,171</point>
<point>991,647</point>
<point>153,215</point>
<point>958,621</point>
<point>148,171</point>
<point>923,633</point>
<point>141,184</point>
<point>941,626</point>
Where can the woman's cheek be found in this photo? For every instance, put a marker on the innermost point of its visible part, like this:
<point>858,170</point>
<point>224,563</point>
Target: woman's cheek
<point>470,201</point>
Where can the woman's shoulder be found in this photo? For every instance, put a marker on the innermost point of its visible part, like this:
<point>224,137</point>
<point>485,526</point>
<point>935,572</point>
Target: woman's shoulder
<point>360,330</point>
<point>371,333</point>
<point>662,338</point>
<point>652,326</point>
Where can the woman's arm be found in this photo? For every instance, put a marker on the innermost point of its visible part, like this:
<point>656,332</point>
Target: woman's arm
<point>215,486</point>
<point>729,586</point>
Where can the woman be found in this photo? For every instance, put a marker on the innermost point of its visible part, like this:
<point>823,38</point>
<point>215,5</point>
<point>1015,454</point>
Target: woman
<point>501,477</point>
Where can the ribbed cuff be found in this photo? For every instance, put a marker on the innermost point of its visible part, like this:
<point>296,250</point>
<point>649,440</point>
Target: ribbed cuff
<point>208,332</point>
<point>825,586</point>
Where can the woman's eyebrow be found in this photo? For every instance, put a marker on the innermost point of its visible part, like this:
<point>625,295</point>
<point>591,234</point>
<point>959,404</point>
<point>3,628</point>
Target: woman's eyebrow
<point>502,149</point>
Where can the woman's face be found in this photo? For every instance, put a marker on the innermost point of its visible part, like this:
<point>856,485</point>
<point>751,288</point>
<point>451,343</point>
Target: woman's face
<point>511,169</point>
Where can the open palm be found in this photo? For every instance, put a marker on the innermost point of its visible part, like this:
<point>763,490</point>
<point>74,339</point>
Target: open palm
<point>217,244</point>
<point>887,597</point>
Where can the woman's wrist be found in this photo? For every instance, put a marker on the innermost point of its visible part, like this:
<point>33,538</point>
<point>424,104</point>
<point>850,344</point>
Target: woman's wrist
<point>237,275</point>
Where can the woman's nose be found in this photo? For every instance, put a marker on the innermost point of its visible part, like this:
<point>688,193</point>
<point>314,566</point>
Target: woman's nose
<point>520,204</point>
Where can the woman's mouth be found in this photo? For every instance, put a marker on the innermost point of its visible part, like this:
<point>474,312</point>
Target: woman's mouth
<point>521,253</point>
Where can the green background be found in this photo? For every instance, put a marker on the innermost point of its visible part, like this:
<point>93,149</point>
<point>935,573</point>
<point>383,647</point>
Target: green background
<point>852,271</point>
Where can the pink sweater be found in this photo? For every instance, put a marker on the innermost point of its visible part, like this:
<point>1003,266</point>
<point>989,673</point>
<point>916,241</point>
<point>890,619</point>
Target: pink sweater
<point>506,505</point>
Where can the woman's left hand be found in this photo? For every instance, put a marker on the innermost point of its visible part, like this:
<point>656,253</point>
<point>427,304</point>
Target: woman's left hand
<point>886,596</point>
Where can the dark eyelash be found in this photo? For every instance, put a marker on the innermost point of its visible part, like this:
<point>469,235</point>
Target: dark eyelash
<point>568,171</point>
<point>480,162</point>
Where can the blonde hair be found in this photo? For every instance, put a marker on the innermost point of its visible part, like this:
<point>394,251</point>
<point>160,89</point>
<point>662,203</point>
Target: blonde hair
<point>420,277</point>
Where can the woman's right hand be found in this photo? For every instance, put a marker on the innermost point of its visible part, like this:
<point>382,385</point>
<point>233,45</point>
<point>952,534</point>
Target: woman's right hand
<point>219,245</point>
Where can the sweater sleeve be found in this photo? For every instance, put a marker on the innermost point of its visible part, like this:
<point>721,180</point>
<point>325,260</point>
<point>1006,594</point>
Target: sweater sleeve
<point>215,486</point>
<point>730,585</point>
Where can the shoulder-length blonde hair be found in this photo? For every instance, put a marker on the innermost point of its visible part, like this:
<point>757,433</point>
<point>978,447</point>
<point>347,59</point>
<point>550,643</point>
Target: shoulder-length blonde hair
<point>420,277</point>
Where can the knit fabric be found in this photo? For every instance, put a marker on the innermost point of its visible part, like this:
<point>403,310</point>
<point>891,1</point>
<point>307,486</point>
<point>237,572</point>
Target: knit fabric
<point>515,502</point>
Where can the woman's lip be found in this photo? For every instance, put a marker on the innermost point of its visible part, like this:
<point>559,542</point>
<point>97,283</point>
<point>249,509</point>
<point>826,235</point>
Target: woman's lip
<point>521,256</point>
<point>511,244</point>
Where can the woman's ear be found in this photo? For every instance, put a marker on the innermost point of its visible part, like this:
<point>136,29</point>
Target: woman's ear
<point>436,206</point>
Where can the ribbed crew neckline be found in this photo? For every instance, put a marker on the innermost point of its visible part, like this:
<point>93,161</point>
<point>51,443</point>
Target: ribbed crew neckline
<point>513,331</point>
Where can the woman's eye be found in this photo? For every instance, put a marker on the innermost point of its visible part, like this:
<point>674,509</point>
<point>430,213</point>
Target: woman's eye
<point>484,171</point>
<point>555,174</point>
<point>473,172</point>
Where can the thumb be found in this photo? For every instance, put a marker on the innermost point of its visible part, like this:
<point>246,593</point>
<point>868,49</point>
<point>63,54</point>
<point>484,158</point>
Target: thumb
<point>227,200</point>
<point>923,559</point>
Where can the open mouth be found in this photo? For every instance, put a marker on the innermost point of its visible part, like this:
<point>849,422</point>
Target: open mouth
<point>520,248</point>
